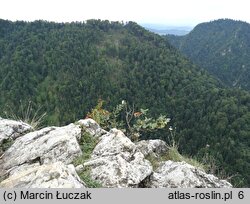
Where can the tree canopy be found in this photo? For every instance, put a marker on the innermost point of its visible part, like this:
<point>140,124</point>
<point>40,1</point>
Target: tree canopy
<point>222,47</point>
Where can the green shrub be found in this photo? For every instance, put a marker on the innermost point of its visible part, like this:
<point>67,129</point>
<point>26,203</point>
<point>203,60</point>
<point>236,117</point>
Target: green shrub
<point>100,115</point>
<point>124,117</point>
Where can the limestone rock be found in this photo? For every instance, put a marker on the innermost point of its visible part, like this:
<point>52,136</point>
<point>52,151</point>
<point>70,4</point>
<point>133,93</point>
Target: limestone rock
<point>79,168</point>
<point>44,146</point>
<point>56,175</point>
<point>12,129</point>
<point>154,148</point>
<point>116,162</point>
<point>42,159</point>
<point>182,175</point>
<point>92,127</point>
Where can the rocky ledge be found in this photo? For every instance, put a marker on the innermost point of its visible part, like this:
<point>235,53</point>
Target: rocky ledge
<point>44,159</point>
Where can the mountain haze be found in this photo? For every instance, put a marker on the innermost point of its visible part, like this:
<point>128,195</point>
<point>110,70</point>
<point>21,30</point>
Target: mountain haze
<point>164,29</point>
<point>222,47</point>
<point>64,68</point>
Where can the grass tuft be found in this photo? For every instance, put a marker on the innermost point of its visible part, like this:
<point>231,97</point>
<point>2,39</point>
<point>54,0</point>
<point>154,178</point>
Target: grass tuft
<point>27,115</point>
<point>87,144</point>
<point>174,155</point>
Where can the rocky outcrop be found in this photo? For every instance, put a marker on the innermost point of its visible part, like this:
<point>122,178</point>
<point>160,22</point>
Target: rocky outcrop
<point>12,129</point>
<point>117,162</point>
<point>35,152</point>
<point>152,148</point>
<point>182,175</point>
<point>92,127</point>
<point>55,175</point>
<point>43,159</point>
<point>45,146</point>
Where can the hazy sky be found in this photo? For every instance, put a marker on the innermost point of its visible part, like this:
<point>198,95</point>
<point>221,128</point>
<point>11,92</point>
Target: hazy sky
<point>169,12</point>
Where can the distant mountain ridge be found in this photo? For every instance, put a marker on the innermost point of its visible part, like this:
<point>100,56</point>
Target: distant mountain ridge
<point>222,47</point>
<point>165,29</point>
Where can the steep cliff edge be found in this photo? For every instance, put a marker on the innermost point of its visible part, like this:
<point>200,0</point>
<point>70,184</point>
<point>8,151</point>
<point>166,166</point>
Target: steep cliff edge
<point>46,159</point>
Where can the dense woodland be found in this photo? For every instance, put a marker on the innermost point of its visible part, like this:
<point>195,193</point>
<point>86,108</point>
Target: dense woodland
<point>64,68</point>
<point>222,47</point>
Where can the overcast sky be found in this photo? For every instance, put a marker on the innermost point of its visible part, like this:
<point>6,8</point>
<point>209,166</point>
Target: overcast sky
<point>169,12</point>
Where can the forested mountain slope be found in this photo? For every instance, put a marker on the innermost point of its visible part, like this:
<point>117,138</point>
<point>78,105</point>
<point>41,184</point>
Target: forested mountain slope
<point>222,47</point>
<point>66,68</point>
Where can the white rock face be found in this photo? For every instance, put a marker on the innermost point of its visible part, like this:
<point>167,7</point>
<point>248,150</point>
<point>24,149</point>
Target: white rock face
<point>56,175</point>
<point>182,175</point>
<point>42,159</point>
<point>116,162</point>
<point>92,127</point>
<point>44,146</point>
<point>154,148</point>
<point>12,129</point>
